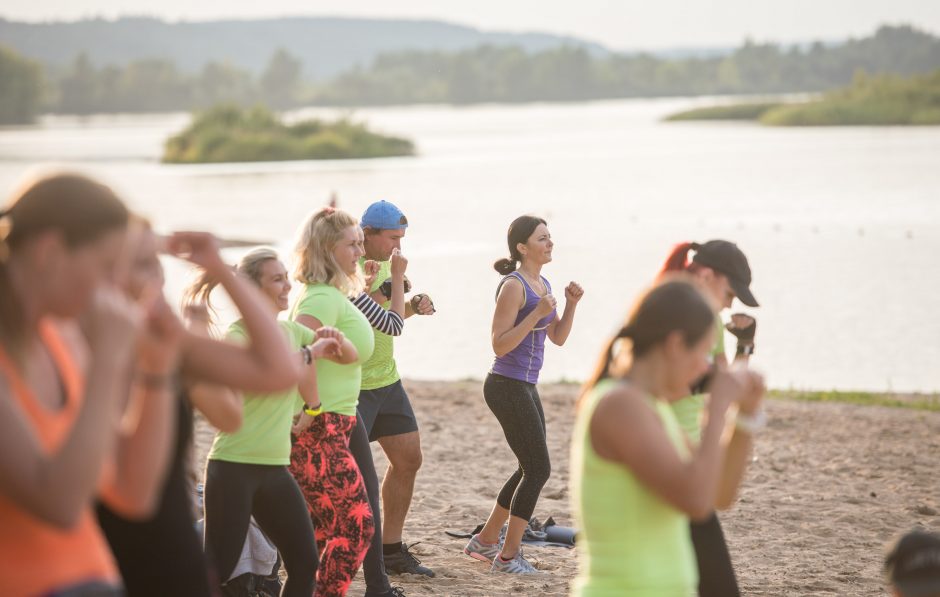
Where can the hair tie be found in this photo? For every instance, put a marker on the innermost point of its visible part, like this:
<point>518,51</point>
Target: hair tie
<point>626,331</point>
<point>329,210</point>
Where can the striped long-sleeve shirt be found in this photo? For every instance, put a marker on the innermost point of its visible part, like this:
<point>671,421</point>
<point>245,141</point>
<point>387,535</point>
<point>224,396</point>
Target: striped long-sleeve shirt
<point>386,321</point>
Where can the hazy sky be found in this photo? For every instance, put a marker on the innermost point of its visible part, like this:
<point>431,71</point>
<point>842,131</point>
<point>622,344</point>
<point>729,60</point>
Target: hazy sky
<point>619,24</point>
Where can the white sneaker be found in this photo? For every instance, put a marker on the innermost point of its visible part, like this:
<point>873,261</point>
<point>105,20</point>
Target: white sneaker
<point>481,551</point>
<point>517,565</point>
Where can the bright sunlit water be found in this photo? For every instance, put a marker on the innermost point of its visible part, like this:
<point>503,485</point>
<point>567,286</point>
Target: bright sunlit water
<point>841,225</point>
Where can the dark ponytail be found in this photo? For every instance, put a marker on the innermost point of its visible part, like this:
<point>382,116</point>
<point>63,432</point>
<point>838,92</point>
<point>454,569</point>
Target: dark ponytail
<point>505,266</point>
<point>674,304</point>
<point>519,232</point>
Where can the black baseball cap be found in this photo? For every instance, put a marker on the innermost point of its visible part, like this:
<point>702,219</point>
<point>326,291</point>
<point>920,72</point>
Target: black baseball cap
<point>913,564</point>
<point>726,258</point>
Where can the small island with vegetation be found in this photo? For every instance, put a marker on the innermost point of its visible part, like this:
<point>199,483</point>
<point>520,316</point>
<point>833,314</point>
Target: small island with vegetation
<point>228,133</point>
<point>884,100</point>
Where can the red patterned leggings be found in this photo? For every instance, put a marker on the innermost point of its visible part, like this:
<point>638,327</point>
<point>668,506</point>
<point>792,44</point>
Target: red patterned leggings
<point>336,497</point>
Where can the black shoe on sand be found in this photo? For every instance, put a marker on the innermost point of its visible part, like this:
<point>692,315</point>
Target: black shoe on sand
<point>404,562</point>
<point>393,592</point>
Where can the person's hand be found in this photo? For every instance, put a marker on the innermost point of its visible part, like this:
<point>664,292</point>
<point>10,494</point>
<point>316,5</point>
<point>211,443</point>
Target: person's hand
<point>327,332</point>
<point>158,346</point>
<point>200,248</point>
<point>370,270</point>
<point>422,304</point>
<point>744,327</point>
<point>753,392</point>
<point>573,293</point>
<point>111,323</point>
<point>301,423</point>
<point>545,305</point>
<point>727,386</point>
<point>326,348</point>
<point>399,263</point>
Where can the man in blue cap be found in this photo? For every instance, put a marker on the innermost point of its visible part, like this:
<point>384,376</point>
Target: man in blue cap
<point>385,410</point>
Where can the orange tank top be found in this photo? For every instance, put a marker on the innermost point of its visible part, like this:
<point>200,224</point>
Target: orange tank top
<point>37,558</point>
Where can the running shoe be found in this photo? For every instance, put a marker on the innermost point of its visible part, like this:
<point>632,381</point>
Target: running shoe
<point>481,551</point>
<point>404,562</point>
<point>517,565</point>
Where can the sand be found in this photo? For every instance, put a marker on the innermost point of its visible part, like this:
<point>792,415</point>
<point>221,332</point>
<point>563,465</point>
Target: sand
<point>830,484</point>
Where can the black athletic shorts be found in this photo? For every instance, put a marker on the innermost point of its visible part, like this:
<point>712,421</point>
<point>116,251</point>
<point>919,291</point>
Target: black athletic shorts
<point>386,411</point>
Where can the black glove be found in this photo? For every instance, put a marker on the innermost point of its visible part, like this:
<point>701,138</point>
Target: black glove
<point>745,334</point>
<point>386,288</point>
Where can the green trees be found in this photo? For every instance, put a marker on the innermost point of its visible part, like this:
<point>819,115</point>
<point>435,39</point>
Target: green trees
<point>482,74</point>
<point>227,133</point>
<point>869,100</point>
<point>21,88</point>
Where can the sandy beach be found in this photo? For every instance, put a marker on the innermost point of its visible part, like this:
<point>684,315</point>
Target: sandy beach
<point>829,486</point>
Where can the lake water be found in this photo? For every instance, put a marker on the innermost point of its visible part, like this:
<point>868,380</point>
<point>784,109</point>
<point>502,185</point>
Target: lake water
<point>841,225</point>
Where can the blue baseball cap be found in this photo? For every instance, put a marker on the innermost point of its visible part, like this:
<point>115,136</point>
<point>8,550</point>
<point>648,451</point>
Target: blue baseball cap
<point>383,215</point>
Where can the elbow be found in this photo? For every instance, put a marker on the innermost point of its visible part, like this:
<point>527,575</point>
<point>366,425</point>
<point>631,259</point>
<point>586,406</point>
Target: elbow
<point>698,507</point>
<point>231,422</point>
<point>700,512</point>
<point>726,501</point>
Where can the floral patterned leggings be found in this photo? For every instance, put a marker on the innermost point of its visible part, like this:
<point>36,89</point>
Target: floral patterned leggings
<point>336,498</point>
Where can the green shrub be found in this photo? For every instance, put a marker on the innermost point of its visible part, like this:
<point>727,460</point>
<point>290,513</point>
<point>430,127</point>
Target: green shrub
<point>227,133</point>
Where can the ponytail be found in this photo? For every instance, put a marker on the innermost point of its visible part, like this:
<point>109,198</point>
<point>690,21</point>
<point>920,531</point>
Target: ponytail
<point>199,291</point>
<point>505,266</point>
<point>678,260</point>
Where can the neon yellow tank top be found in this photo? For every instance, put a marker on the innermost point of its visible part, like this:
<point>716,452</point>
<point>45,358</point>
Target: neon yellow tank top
<point>632,543</point>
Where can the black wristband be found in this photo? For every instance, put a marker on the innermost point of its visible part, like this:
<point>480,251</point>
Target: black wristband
<point>307,354</point>
<point>744,350</point>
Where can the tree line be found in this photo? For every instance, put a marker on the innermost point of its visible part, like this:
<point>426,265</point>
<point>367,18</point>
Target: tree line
<point>483,74</point>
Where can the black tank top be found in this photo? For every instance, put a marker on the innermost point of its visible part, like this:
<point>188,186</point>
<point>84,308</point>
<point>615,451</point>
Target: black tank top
<point>162,556</point>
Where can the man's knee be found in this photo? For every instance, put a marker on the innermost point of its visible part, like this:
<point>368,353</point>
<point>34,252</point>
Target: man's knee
<point>403,452</point>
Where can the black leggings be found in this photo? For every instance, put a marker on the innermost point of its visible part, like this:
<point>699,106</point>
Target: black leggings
<point>237,491</point>
<point>373,567</point>
<point>518,409</point>
<point>716,574</point>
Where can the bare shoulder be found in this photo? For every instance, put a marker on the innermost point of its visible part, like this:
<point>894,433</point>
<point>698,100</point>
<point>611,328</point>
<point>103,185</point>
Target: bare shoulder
<point>621,398</point>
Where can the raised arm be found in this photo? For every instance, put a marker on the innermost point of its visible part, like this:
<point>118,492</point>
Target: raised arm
<point>145,446</point>
<point>220,405</point>
<point>691,485</point>
<point>57,487</point>
<point>559,329</point>
<point>265,364</point>
<point>346,353</point>
<point>506,335</point>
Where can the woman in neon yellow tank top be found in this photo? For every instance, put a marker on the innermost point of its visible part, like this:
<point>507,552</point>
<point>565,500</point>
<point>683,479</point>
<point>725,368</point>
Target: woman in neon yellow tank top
<point>636,480</point>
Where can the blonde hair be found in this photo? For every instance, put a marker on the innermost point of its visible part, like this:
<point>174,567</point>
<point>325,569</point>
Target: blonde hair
<point>314,262</point>
<point>249,266</point>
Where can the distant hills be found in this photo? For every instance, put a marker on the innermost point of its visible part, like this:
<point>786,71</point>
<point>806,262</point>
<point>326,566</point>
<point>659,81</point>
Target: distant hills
<point>325,45</point>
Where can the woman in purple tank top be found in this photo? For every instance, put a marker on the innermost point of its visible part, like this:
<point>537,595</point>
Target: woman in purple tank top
<point>525,315</point>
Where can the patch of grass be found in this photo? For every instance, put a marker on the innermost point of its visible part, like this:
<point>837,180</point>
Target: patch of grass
<point>928,402</point>
<point>749,111</point>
